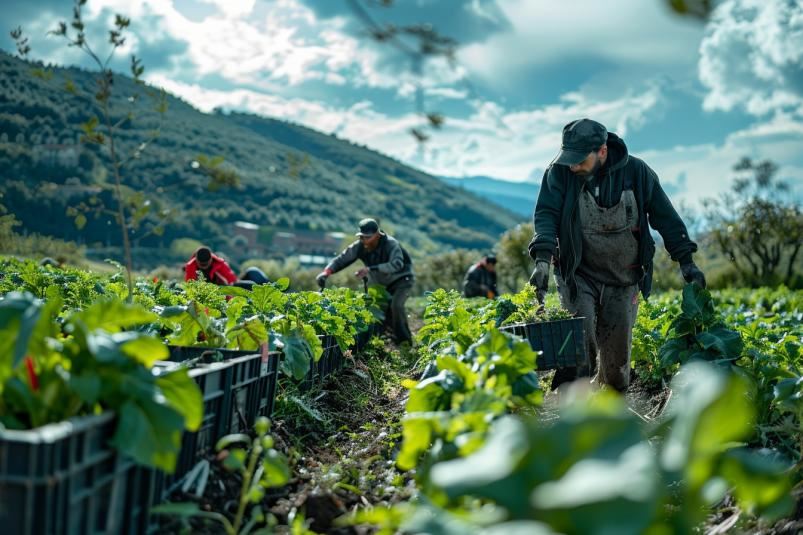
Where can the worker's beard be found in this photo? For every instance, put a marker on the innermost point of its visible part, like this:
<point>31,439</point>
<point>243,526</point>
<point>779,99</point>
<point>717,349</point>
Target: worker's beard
<point>590,174</point>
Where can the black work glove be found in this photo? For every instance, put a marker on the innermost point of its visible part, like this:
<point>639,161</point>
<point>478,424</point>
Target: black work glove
<point>540,279</point>
<point>321,279</point>
<point>691,273</point>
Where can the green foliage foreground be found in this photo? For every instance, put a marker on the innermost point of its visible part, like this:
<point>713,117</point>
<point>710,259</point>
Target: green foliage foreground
<point>51,371</point>
<point>598,468</point>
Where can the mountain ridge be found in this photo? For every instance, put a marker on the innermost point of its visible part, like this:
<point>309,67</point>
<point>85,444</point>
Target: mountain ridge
<point>290,175</point>
<point>518,197</point>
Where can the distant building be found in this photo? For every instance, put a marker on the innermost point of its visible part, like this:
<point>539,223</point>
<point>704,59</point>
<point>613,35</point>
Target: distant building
<point>308,260</point>
<point>313,248</point>
<point>249,231</point>
<point>306,242</point>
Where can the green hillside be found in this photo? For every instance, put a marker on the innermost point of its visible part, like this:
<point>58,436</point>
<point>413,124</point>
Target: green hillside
<point>291,177</point>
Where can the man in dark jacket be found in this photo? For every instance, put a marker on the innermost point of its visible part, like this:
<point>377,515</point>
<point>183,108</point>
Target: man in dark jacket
<point>385,263</point>
<point>480,279</point>
<point>591,223</point>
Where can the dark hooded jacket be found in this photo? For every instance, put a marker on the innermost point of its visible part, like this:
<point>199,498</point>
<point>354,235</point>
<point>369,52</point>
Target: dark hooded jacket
<point>558,234</point>
<point>388,264</point>
<point>479,281</point>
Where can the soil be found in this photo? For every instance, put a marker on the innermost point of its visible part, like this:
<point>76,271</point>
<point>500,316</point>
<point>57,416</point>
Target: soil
<point>339,463</point>
<point>646,401</point>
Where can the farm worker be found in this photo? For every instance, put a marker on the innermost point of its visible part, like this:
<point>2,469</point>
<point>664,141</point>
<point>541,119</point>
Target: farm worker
<point>480,280</point>
<point>385,263</point>
<point>217,271</point>
<point>591,221</point>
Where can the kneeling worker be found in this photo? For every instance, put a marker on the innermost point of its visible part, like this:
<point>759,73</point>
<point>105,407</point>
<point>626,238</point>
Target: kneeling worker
<point>385,263</point>
<point>217,271</point>
<point>480,279</point>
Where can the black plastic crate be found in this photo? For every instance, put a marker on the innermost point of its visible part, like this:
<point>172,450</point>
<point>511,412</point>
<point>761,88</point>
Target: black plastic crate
<point>268,378</point>
<point>182,353</point>
<point>561,343</point>
<point>331,360</point>
<point>253,387</point>
<point>66,478</point>
<point>214,381</point>
<point>235,393</point>
<point>363,337</point>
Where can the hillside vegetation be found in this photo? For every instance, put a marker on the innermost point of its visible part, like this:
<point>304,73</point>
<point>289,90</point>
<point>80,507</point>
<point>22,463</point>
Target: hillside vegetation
<point>289,176</point>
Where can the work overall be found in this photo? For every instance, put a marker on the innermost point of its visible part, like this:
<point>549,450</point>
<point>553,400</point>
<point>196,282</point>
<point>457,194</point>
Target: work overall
<point>607,285</point>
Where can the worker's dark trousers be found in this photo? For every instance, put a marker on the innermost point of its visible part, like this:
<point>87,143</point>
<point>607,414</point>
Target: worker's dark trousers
<point>255,274</point>
<point>400,291</point>
<point>610,313</point>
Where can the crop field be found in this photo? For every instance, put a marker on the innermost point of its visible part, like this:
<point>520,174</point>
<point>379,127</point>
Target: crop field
<point>225,410</point>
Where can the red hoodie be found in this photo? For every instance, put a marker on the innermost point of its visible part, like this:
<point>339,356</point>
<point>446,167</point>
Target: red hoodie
<point>218,271</point>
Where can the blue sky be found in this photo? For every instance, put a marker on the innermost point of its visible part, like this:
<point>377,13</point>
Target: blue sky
<point>689,97</point>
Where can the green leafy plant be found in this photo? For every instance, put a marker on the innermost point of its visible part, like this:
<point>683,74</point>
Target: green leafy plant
<point>51,371</point>
<point>448,414</point>
<point>523,307</point>
<point>699,333</point>
<point>260,466</point>
<point>788,399</point>
<point>597,469</point>
<point>450,320</point>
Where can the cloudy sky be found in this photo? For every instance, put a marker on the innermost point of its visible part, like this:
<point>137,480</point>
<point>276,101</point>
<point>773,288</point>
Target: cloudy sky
<point>689,97</point>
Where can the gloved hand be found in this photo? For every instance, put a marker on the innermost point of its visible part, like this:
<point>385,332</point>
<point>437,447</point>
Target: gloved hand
<point>540,278</point>
<point>321,279</point>
<point>691,273</point>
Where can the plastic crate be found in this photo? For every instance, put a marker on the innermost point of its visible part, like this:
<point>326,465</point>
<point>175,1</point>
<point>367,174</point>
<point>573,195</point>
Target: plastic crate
<point>268,377</point>
<point>253,388</point>
<point>182,353</point>
<point>331,360</point>
<point>561,343</point>
<point>212,380</point>
<point>66,478</point>
<point>363,337</point>
<point>235,393</point>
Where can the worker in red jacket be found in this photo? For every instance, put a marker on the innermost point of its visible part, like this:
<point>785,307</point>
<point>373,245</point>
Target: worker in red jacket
<point>214,268</point>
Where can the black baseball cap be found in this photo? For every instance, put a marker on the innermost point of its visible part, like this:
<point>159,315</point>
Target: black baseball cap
<point>368,227</point>
<point>580,138</point>
<point>490,258</point>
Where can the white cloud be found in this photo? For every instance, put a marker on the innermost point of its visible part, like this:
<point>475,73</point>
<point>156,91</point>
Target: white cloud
<point>708,169</point>
<point>447,92</point>
<point>232,8</point>
<point>496,142</point>
<point>752,56</point>
<point>491,140</point>
<point>359,123</point>
<point>477,8</point>
<point>281,44</point>
<point>543,33</point>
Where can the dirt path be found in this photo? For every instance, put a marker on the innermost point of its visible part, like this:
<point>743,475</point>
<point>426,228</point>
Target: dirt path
<point>340,438</point>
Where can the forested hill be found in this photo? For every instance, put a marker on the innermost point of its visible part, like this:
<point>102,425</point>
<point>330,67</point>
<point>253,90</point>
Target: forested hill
<point>290,176</point>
